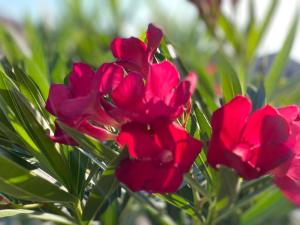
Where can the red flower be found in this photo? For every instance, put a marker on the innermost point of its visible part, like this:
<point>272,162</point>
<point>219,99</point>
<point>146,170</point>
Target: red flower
<point>78,104</point>
<point>287,177</point>
<point>251,143</point>
<point>133,54</point>
<point>160,154</point>
<point>161,95</point>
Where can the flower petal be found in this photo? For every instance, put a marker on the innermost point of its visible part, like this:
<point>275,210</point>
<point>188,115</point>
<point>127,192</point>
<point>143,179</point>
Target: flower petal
<point>154,36</point>
<point>130,92</point>
<point>229,120</point>
<point>81,79</point>
<point>269,156</point>
<point>175,138</point>
<point>58,93</point>
<point>78,107</point>
<point>109,76</point>
<point>167,179</point>
<point>135,174</point>
<point>266,125</point>
<point>291,112</point>
<point>132,52</point>
<point>163,78</point>
<point>290,188</point>
<point>148,176</point>
<point>184,90</point>
<point>139,140</point>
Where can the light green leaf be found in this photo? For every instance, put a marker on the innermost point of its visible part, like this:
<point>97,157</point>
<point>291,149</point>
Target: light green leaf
<point>273,77</point>
<point>257,33</point>
<point>34,215</point>
<point>95,148</point>
<point>229,79</point>
<point>21,183</point>
<point>271,204</point>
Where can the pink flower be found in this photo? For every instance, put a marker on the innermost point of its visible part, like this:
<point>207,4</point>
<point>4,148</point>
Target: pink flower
<point>160,154</point>
<point>133,54</point>
<point>78,104</point>
<point>161,95</point>
<point>287,177</point>
<point>252,143</point>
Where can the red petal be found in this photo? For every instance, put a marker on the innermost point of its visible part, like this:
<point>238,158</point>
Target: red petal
<point>131,51</point>
<point>148,176</point>
<point>81,79</point>
<point>268,157</point>
<point>290,188</point>
<point>58,93</point>
<point>290,112</point>
<point>135,174</point>
<point>174,138</point>
<point>184,91</point>
<point>163,78</point>
<point>109,76</point>
<point>157,108</point>
<point>154,37</point>
<point>75,107</point>
<point>167,179</point>
<point>139,140</point>
<point>229,121</point>
<point>264,126</point>
<point>130,92</point>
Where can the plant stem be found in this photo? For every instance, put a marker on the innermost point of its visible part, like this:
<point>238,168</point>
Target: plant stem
<point>78,211</point>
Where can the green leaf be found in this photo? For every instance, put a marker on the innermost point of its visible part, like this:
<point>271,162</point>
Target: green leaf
<point>231,33</point>
<point>36,65</point>
<point>111,214</point>
<point>257,33</point>
<point>229,79</point>
<point>21,183</point>
<point>26,86</point>
<point>34,215</point>
<point>104,188</point>
<point>203,121</point>
<point>271,204</point>
<point>273,77</point>
<point>228,185</point>
<point>92,146</point>
<point>30,125</point>
<point>179,202</point>
<point>78,163</point>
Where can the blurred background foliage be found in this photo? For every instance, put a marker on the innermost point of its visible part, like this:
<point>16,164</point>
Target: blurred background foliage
<point>80,186</point>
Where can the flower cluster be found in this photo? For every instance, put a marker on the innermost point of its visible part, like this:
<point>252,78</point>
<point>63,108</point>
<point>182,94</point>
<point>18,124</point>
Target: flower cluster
<point>139,97</point>
<point>257,143</point>
<point>142,99</point>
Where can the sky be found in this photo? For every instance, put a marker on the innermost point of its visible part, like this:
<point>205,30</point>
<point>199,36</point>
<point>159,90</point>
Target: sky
<point>50,10</point>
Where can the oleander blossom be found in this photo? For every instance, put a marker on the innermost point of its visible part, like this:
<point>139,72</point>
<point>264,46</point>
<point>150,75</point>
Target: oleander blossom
<point>133,54</point>
<point>163,94</point>
<point>79,103</point>
<point>252,143</point>
<point>287,177</point>
<point>160,154</point>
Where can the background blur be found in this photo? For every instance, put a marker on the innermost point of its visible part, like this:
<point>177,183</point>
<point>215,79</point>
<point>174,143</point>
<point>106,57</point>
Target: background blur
<point>141,12</point>
<point>45,36</point>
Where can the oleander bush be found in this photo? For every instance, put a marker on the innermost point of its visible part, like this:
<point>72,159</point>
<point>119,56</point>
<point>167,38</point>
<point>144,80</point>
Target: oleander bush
<point>179,125</point>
